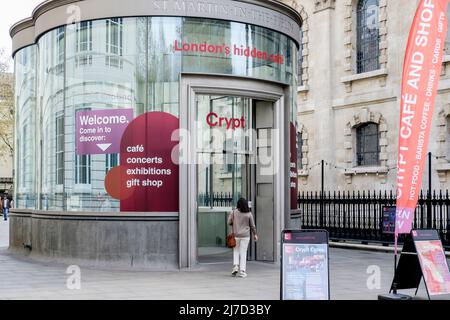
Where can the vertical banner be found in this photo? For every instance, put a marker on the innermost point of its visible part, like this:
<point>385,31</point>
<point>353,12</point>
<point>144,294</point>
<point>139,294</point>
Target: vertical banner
<point>421,73</point>
<point>293,171</point>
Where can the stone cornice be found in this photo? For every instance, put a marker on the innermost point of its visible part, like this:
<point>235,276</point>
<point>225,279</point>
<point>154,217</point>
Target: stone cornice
<point>320,5</point>
<point>51,14</point>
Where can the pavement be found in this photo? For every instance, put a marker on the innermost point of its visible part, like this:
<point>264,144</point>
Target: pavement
<point>350,272</point>
<point>4,233</point>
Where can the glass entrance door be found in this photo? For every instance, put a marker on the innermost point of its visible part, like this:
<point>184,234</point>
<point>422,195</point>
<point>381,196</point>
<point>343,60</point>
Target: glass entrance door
<point>224,174</point>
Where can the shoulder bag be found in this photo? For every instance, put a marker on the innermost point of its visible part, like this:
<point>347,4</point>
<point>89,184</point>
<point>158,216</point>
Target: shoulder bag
<point>231,240</point>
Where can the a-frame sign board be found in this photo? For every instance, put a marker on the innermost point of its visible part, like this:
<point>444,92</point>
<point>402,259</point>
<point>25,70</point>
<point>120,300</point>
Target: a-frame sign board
<point>423,257</point>
<point>408,274</point>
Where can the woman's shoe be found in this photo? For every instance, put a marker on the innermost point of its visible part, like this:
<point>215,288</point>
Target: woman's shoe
<point>235,271</point>
<point>242,274</point>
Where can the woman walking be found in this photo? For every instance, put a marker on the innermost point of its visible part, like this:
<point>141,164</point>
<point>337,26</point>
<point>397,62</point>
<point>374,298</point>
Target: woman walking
<point>243,224</point>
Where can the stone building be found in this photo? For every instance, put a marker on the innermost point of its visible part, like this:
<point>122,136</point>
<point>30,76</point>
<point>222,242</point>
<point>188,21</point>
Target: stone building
<point>349,96</point>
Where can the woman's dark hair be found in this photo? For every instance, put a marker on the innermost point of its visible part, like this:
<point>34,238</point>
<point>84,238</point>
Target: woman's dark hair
<point>242,205</point>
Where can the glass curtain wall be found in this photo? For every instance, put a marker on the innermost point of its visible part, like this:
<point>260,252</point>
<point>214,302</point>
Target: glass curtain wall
<point>112,64</point>
<point>51,110</point>
<point>25,99</point>
<point>105,69</point>
<point>237,49</point>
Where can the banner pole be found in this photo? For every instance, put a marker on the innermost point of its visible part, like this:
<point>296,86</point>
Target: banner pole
<point>394,285</point>
<point>429,195</point>
<point>420,79</point>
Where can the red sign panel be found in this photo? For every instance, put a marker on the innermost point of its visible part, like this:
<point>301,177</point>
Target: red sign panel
<point>432,261</point>
<point>293,171</point>
<point>147,179</point>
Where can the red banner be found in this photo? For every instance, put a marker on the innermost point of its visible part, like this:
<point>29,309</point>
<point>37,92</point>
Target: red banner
<point>421,73</point>
<point>293,168</point>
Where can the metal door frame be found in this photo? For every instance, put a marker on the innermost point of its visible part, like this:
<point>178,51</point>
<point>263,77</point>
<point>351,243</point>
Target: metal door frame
<point>190,86</point>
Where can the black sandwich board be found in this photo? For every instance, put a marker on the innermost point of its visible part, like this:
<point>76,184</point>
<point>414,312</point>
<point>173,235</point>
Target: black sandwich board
<point>408,273</point>
<point>305,265</point>
<point>423,257</point>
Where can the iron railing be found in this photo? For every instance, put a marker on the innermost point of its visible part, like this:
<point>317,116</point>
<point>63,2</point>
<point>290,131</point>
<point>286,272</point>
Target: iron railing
<point>358,215</point>
<point>217,199</point>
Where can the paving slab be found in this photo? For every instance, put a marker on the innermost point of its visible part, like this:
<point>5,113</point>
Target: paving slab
<point>4,233</point>
<point>24,278</point>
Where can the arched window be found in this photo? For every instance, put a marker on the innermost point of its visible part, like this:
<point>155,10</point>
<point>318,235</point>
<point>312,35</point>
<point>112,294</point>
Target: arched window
<point>368,145</point>
<point>368,36</point>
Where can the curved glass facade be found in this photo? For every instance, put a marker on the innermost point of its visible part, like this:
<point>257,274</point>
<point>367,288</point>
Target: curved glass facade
<point>26,116</point>
<point>120,63</point>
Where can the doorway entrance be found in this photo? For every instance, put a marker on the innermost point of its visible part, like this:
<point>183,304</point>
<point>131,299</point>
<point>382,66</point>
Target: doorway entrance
<point>233,150</point>
<point>236,129</point>
<point>224,172</point>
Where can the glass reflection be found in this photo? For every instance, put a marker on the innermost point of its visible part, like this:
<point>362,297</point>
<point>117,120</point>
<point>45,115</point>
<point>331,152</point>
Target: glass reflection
<point>25,151</point>
<point>122,63</point>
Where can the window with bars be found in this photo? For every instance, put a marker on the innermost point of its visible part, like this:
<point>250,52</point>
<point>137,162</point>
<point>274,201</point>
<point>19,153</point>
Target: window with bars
<point>368,145</point>
<point>299,150</point>
<point>60,47</point>
<point>111,161</point>
<point>84,43</point>
<point>368,36</point>
<point>114,42</point>
<point>82,164</point>
<point>60,149</point>
<point>228,156</point>
<point>83,169</point>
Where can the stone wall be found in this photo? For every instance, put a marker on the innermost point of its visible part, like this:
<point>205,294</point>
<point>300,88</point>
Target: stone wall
<point>98,240</point>
<point>334,99</point>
